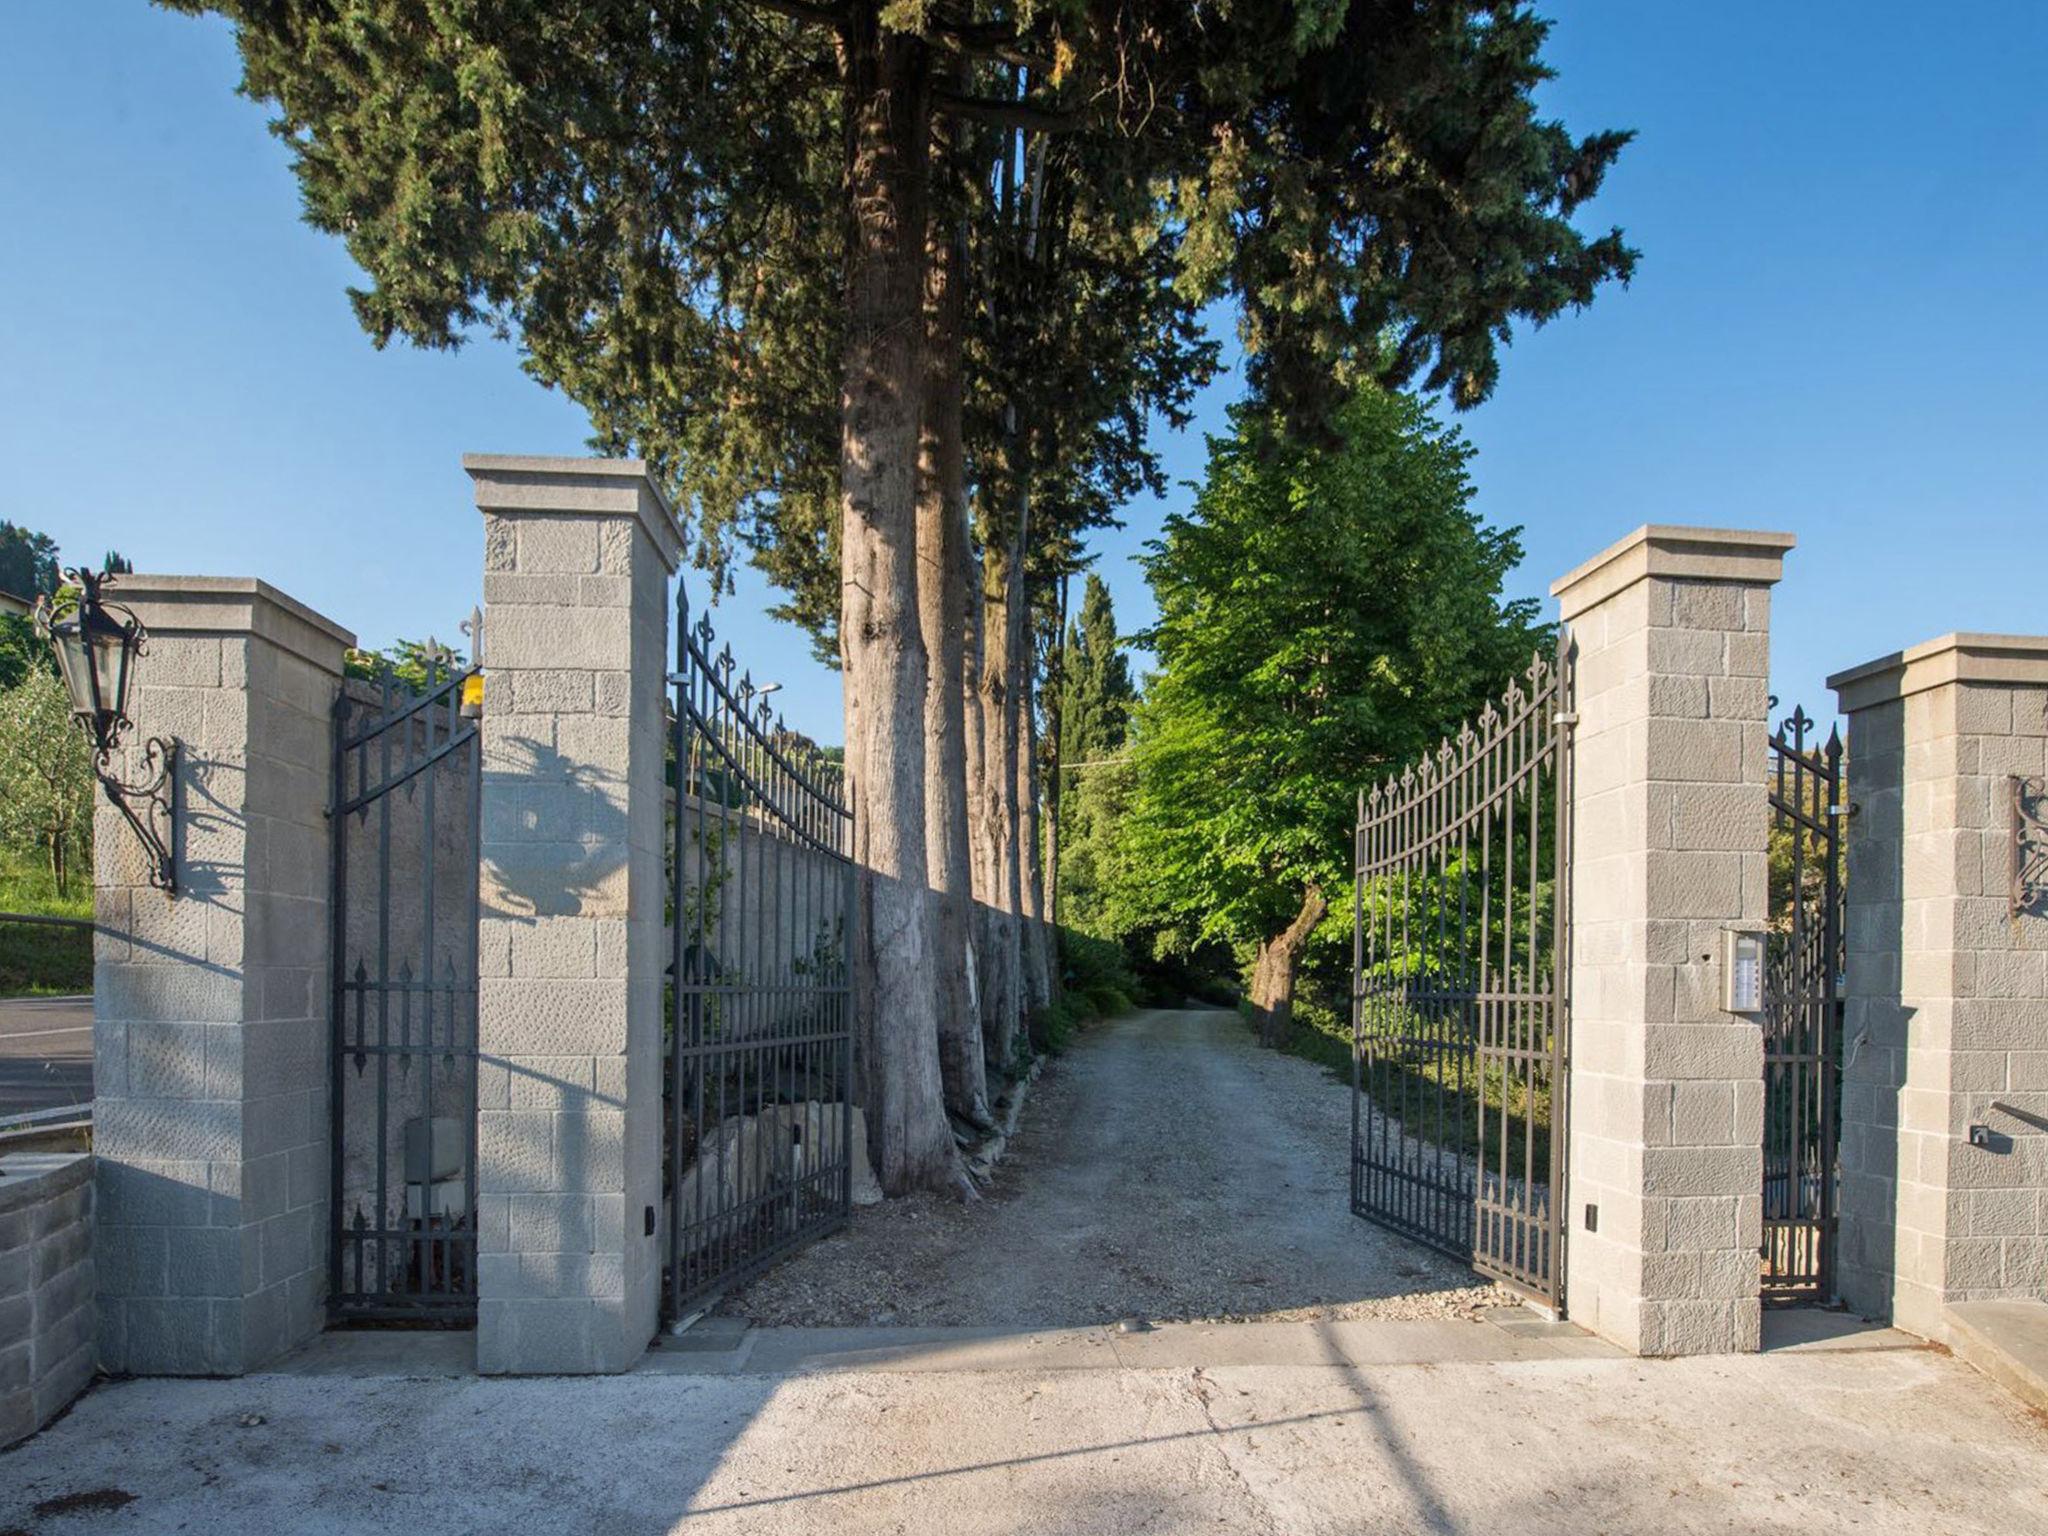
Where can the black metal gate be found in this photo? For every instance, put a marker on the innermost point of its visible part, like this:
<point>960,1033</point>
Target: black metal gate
<point>760,1118</point>
<point>1459,994</point>
<point>1802,1013</point>
<point>403,959</point>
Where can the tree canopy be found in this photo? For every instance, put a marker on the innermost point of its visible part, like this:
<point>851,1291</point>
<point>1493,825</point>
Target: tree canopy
<point>649,198</point>
<point>718,226</point>
<point>1323,617</point>
<point>28,561</point>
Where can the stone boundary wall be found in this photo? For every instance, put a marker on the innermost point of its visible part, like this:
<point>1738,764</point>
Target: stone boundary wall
<point>47,1332</point>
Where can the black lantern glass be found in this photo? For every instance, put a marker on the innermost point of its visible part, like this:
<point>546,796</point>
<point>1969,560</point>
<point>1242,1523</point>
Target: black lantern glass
<point>97,648</point>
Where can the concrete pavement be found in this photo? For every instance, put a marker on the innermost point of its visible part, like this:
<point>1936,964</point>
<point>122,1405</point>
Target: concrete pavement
<point>1294,1428</point>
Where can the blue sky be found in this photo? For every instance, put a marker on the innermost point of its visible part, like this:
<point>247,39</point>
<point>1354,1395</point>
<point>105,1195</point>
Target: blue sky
<point>1838,329</point>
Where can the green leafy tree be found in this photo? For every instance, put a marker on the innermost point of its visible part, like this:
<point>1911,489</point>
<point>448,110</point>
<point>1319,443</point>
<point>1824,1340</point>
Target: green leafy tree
<point>22,651</point>
<point>28,561</point>
<point>414,664</point>
<point>1325,615</point>
<point>46,777</point>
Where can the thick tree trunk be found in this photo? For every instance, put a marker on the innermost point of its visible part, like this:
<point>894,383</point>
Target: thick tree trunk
<point>942,599</point>
<point>1274,970</point>
<point>887,85</point>
<point>980,855</point>
<point>1003,1005</point>
<point>1055,785</point>
<point>1031,876</point>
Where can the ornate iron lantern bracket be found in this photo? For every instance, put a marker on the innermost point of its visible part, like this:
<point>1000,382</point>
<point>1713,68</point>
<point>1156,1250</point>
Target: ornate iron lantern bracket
<point>2029,847</point>
<point>98,644</point>
<point>148,804</point>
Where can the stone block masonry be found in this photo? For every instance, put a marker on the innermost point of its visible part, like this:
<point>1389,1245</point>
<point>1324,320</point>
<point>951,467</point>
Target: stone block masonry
<point>1946,1003</point>
<point>1671,629</point>
<point>577,558</point>
<point>210,1034</point>
<point>47,1344</point>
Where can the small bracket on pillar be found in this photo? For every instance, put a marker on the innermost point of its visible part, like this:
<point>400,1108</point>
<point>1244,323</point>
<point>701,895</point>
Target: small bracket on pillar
<point>2029,895</point>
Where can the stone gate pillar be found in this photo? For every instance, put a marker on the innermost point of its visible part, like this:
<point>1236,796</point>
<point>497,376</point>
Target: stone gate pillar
<point>577,556</point>
<point>1671,827</point>
<point>1946,1005</point>
<point>210,1123</point>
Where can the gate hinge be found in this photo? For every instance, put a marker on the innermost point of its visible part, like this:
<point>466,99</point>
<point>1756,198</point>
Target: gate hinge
<point>1846,808</point>
<point>1565,717</point>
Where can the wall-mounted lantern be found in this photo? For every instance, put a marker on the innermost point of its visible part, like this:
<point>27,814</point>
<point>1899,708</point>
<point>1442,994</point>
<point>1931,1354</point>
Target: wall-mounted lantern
<point>98,645</point>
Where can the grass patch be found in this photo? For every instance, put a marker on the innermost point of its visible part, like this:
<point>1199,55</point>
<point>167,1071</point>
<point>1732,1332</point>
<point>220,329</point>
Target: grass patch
<point>35,959</point>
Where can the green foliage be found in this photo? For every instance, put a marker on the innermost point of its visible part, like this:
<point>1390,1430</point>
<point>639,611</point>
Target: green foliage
<point>1099,984</point>
<point>1324,617</point>
<point>1093,706</point>
<point>46,779</point>
<point>413,664</point>
<point>28,562</point>
<point>22,651</point>
<point>34,958</point>
<point>652,199</point>
<point>1322,1034</point>
<point>1096,693</point>
<point>1097,972</point>
<point>1383,199</point>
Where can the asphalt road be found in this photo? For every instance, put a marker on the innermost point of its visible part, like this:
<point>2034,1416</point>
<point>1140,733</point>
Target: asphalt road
<point>45,1052</point>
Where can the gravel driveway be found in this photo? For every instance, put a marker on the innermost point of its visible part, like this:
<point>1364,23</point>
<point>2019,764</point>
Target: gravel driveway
<point>1165,1167</point>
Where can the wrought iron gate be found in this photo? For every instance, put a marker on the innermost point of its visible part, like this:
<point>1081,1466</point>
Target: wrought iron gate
<point>403,961</point>
<point>1459,990</point>
<point>1802,1012</point>
<point>760,1118</point>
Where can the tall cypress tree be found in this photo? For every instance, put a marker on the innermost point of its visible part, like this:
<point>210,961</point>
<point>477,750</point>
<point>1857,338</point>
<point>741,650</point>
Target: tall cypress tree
<point>1094,710</point>
<point>707,223</point>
